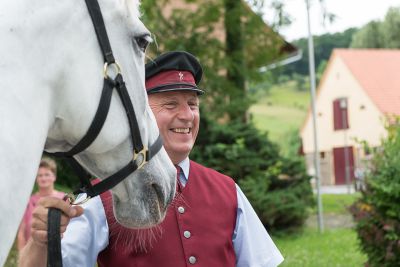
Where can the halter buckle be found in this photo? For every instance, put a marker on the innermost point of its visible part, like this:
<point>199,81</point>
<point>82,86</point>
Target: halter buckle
<point>108,67</point>
<point>72,199</point>
<point>141,155</point>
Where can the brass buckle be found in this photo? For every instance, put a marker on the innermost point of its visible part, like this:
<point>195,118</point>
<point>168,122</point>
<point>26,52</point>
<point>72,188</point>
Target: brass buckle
<point>72,199</point>
<point>107,67</point>
<point>142,155</point>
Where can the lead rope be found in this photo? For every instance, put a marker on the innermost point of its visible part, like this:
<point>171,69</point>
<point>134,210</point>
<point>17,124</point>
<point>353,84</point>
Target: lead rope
<point>54,258</point>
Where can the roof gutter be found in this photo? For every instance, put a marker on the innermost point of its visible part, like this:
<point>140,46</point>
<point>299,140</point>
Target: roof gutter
<point>292,57</point>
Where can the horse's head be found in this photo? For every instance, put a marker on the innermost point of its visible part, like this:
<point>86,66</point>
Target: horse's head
<point>76,77</point>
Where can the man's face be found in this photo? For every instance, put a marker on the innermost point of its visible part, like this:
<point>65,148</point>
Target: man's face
<point>45,177</point>
<point>178,117</point>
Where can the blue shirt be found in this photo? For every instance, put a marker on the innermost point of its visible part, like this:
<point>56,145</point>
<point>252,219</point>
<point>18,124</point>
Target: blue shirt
<point>87,235</point>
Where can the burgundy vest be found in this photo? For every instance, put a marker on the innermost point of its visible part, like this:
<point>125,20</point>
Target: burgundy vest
<point>197,230</point>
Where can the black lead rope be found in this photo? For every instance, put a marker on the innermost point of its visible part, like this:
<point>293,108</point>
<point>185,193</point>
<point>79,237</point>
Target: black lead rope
<point>54,238</point>
<point>141,155</point>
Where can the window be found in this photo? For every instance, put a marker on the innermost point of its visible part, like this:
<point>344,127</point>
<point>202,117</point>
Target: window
<point>340,116</point>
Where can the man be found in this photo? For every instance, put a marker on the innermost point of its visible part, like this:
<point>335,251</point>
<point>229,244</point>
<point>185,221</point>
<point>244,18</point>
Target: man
<point>209,224</point>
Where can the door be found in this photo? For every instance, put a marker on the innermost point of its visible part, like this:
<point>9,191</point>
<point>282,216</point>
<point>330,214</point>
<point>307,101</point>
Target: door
<point>342,157</point>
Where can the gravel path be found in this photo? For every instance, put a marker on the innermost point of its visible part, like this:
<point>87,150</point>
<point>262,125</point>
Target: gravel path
<point>332,221</point>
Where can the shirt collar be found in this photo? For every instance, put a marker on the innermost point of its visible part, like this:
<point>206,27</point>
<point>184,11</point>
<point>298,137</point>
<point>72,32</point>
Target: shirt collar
<point>185,165</point>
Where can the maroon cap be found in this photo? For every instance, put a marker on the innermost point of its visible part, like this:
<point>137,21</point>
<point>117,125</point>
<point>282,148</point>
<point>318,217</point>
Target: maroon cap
<point>173,71</point>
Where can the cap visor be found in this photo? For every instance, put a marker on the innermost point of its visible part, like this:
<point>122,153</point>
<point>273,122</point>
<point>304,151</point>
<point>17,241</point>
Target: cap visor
<point>172,89</point>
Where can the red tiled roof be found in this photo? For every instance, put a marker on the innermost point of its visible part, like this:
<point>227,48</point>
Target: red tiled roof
<point>378,72</point>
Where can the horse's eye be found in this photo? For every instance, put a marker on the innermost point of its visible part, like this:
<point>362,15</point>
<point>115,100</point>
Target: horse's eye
<point>143,42</point>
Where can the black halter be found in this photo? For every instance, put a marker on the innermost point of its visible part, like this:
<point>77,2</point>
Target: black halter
<point>141,154</point>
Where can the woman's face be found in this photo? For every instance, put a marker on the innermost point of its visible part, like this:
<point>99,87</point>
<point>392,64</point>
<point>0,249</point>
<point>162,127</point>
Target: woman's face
<point>45,177</point>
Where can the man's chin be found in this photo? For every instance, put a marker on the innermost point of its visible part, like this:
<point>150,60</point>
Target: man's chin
<point>177,154</point>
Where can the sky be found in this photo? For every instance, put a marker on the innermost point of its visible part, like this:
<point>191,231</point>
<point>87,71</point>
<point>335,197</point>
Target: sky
<point>349,13</point>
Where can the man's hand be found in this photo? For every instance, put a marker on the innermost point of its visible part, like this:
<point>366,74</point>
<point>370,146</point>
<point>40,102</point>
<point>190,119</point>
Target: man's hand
<point>35,252</point>
<point>40,213</point>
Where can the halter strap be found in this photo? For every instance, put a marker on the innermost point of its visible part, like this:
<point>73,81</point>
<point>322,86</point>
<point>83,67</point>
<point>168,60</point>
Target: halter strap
<point>100,28</point>
<point>113,180</point>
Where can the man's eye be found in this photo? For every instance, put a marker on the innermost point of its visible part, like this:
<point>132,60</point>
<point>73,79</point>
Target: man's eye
<point>193,104</point>
<point>170,105</point>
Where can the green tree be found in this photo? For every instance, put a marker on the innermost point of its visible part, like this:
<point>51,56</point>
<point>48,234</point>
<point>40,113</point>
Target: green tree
<point>391,28</point>
<point>230,60</point>
<point>234,52</point>
<point>378,34</point>
<point>368,36</point>
<point>323,46</point>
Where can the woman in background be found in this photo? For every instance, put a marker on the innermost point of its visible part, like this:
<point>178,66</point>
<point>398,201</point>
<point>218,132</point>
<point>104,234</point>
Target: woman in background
<point>45,179</point>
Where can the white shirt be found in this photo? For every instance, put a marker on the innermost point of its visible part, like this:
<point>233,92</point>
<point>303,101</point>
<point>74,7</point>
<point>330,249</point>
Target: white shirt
<point>87,235</point>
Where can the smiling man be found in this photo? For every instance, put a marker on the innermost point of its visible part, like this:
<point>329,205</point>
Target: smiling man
<point>210,223</point>
<point>173,98</point>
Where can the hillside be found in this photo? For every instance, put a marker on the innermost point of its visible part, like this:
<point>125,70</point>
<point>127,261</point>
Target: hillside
<point>281,111</point>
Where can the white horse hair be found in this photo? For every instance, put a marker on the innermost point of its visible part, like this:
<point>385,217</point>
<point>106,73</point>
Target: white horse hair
<point>50,83</point>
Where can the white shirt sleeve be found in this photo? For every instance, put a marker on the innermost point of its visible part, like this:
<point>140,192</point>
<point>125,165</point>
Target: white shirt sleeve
<point>85,236</point>
<point>252,243</point>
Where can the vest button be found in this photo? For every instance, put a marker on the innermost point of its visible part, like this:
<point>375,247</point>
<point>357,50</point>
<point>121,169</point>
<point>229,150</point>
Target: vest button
<point>181,210</point>
<point>192,259</point>
<point>187,234</point>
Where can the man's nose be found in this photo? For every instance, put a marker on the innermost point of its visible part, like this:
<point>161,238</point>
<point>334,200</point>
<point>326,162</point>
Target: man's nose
<point>185,112</point>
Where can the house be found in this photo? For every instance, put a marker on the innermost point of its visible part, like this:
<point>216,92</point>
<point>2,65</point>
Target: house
<point>359,89</point>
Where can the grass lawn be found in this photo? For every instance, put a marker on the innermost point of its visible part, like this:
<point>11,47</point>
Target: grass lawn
<point>333,248</point>
<point>337,203</point>
<point>276,120</point>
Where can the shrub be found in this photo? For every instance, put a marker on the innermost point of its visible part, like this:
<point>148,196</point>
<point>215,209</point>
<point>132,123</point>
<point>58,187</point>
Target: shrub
<point>377,212</point>
<point>236,149</point>
<point>278,187</point>
<point>65,175</point>
<point>282,196</point>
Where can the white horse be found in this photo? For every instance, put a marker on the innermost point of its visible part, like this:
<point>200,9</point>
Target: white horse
<point>50,85</point>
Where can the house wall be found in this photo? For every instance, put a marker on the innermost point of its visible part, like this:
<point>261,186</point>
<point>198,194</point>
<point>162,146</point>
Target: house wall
<point>365,120</point>
<point>326,167</point>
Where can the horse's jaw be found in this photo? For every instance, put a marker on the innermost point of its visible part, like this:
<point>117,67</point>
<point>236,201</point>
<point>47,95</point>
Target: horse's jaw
<point>146,194</point>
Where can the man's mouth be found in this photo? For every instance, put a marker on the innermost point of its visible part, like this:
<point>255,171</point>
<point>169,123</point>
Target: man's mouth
<point>181,130</point>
